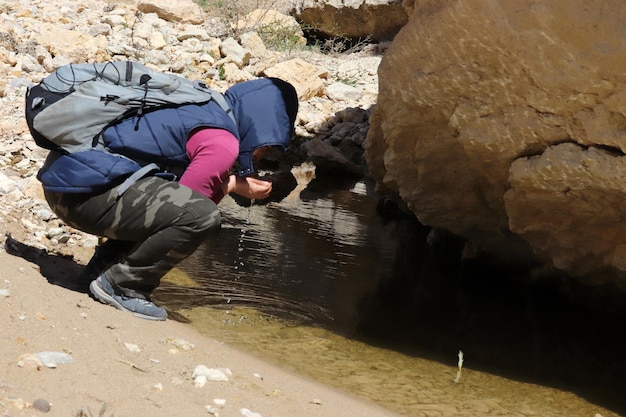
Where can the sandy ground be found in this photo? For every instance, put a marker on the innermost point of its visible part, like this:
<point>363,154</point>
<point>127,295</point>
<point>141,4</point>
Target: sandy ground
<point>135,367</point>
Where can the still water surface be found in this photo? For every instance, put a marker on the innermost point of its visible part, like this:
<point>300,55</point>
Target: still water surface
<point>327,285</point>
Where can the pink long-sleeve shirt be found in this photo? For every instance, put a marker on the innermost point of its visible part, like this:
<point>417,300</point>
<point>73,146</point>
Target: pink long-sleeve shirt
<point>212,152</point>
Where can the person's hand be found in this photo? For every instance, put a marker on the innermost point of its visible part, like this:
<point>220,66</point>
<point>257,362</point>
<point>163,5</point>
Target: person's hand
<point>253,188</point>
<point>249,187</point>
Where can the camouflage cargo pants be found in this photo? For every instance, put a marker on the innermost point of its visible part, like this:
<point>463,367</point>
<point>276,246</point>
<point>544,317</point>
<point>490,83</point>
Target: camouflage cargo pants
<point>151,227</point>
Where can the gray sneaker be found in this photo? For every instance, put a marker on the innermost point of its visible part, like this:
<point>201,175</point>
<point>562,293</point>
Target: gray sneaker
<point>103,291</point>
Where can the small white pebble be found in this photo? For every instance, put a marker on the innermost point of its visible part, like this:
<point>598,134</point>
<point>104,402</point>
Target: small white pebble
<point>212,410</point>
<point>132,347</point>
<point>249,413</point>
<point>199,381</point>
<point>211,374</point>
<point>219,401</point>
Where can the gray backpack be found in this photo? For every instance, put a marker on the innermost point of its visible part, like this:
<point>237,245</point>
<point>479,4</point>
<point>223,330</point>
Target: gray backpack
<point>71,107</point>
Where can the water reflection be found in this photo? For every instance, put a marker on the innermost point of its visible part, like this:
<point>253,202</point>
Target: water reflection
<point>335,259</point>
<point>309,259</point>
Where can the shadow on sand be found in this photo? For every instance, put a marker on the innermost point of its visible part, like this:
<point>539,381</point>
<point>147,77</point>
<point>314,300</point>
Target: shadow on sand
<point>61,270</point>
<point>58,269</point>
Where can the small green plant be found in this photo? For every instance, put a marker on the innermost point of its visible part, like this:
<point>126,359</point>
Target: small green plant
<point>341,45</point>
<point>221,72</point>
<point>348,81</point>
<point>228,11</point>
<point>214,54</point>
<point>281,37</point>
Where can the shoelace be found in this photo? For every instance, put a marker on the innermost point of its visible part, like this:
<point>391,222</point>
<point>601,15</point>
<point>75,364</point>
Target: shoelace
<point>139,300</point>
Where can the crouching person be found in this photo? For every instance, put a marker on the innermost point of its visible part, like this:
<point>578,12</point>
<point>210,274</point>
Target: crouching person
<point>152,189</point>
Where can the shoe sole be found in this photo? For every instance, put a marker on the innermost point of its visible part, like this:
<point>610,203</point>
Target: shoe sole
<point>105,298</point>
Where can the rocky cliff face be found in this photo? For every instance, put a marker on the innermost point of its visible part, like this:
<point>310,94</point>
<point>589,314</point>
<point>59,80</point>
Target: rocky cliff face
<point>503,122</point>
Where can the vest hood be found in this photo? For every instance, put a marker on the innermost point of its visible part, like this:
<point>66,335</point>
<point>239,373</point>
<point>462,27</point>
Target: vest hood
<point>265,110</point>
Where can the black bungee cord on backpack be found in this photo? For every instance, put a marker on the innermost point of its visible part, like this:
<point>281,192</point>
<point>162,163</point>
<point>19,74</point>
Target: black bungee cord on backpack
<point>142,81</point>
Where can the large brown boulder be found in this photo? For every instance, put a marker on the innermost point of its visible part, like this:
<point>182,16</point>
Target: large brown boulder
<point>504,122</point>
<point>377,20</point>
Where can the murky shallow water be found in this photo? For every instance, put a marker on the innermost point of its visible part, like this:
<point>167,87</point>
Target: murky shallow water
<point>324,285</point>
<point>407,384</point>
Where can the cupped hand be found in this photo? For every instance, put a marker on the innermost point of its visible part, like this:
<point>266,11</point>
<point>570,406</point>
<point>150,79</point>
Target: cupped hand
<point>252,188</point>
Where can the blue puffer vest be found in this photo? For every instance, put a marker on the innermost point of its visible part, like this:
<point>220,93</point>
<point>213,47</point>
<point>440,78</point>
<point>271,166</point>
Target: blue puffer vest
<point>265,110</point>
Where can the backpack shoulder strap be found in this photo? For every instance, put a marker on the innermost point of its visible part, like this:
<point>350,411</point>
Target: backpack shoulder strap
<point>136,176</point>
<point>218,97</point>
